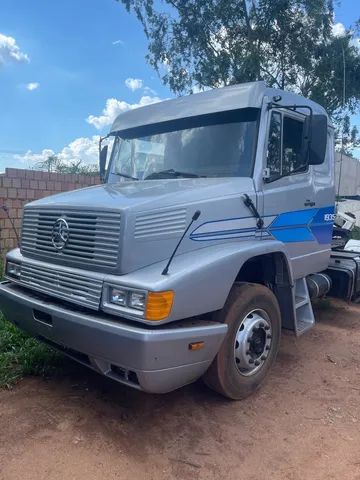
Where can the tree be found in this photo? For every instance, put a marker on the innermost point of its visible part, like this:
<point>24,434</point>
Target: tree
<point>347,136</point>
<point>291,44</point>
<point>55,164</point>
<point>50,164</point>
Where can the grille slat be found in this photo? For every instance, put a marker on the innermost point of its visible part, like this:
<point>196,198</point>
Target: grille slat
<point>89,227</point>
<point>67,286</point>
<point>31,236</point>
<point>48,228</point>
<point>69,283</point>
<point>76,251</point>
<point>104,246</point>
<point>75,213</point>
<point>93,236</point>
<point>89,221</point>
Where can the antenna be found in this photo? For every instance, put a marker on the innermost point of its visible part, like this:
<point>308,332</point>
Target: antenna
<point>193,219</point>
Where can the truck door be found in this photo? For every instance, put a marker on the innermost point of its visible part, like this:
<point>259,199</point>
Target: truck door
<point>296,211</point>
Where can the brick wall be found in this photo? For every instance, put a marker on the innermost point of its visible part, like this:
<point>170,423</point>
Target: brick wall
<point>18,187</point>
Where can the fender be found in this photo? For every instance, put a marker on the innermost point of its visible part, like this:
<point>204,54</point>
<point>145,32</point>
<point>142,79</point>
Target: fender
<point>201,279</point>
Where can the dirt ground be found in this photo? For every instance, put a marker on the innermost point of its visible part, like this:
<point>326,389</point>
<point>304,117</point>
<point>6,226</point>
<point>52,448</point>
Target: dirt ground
<point>303,424</point>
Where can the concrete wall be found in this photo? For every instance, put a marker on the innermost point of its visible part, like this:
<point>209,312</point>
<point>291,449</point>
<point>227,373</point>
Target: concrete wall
<point>18,187</point>
<point>350,175</point>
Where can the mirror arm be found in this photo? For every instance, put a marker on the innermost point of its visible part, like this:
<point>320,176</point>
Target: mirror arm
<point>101,139</point>
<point>102,171</point>
<point>290,107</point>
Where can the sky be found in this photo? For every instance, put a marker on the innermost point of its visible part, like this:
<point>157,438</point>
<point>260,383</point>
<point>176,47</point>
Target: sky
<point>68,68</point>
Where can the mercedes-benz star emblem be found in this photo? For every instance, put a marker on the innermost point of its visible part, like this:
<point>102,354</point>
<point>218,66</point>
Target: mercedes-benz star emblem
<point>60,234</point>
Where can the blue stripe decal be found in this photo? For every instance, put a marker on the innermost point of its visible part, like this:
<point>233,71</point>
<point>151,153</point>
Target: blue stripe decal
<point>299,217</point>
<point>322,224</point>
<point>225,236</point>
<point>311,225</point>
<point>322,233</point>
<point>223,232</point>
<point>295,234</point>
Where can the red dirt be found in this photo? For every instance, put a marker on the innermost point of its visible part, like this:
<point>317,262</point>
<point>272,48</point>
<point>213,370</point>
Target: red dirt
<point>303,424</point>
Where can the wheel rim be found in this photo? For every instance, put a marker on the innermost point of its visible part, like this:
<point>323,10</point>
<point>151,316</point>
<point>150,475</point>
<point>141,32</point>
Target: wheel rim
<point>253,342</point>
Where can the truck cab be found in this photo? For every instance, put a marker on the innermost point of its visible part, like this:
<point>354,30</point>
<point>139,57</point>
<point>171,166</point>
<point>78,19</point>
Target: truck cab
<point>213,223</point>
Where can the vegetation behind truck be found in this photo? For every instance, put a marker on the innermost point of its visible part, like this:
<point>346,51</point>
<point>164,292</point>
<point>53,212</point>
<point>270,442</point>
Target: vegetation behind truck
<point>204,241</point>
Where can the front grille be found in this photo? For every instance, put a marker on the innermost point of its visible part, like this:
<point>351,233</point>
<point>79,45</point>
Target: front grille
<point>93,236</point>
<point>65,285</point>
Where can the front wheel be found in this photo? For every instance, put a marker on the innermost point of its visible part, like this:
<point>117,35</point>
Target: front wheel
<point>250,347</point>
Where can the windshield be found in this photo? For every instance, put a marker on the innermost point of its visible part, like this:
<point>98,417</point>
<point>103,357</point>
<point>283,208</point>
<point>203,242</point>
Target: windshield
<point>221,145</point>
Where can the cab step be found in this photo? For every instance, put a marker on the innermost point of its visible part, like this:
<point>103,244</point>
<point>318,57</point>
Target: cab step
<point>304,315</point>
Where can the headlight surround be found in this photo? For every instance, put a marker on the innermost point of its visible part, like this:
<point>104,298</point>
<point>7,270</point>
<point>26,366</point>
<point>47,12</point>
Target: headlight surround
<point>142,304</point>
<point>13,270</point>
<point>124,300</point>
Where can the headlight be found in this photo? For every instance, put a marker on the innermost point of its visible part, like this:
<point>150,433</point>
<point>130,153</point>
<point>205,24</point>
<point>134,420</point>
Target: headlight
<point>151,306</point>
<point>125,299</point>
<point>13,269</point>
<point>137,300</point>
<point>128,298</point>
<point>118,296</point>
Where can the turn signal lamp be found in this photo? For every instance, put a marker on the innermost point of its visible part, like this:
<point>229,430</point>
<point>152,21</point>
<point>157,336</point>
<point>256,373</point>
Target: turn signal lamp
<point>158,305</point>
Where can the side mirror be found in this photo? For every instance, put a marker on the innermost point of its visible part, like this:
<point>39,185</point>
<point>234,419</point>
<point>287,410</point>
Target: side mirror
<point>102,161</point>
<point>306,139</point>
<point>318,139</point>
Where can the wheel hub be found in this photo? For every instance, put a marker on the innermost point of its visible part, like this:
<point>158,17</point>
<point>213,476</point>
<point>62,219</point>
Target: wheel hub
<point>253,342</point>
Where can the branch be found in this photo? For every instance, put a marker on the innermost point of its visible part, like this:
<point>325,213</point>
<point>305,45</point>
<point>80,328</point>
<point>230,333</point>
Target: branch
<point>247,19</point>
<point>275,80</point>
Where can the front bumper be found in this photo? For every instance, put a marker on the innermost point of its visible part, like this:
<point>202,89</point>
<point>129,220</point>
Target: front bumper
<point>153,359</point>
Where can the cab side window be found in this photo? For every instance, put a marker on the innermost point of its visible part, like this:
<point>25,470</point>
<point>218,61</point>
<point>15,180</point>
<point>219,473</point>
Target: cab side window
<point>284,155</point>
<point>292,160</point>
<point>274,145</point>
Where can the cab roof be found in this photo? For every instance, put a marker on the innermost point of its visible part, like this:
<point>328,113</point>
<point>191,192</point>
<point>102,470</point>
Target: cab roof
<point>245,95</point>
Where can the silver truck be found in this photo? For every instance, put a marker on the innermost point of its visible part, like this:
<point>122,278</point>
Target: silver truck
<point>211,232</point>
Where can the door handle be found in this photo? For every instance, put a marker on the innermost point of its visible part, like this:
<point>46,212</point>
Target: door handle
<point>309,203</point>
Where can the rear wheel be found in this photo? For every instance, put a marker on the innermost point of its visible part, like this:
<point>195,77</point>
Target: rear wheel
<point>250,347</point>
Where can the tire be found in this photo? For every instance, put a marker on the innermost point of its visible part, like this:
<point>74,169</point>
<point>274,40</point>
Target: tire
<point>253,317</point>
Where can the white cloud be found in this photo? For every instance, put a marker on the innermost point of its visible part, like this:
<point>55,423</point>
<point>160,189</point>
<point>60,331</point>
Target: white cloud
<point>32,86</point>
<point>31,158</point>
<point>10,51</point>
<point>83,148</point>
<point>149,91</point>
<point>134,83</point>
<point>355,42</point>
<point>338,30</point>
<point>114,107</point>
<point>118,42</point>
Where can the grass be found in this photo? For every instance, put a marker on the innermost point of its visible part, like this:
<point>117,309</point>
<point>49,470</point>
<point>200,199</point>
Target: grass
<point>21,355</point>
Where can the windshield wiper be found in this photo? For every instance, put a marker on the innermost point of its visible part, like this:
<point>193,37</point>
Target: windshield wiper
<point>171,173</point>
<point>125,175</point>
<point>251,206</point>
